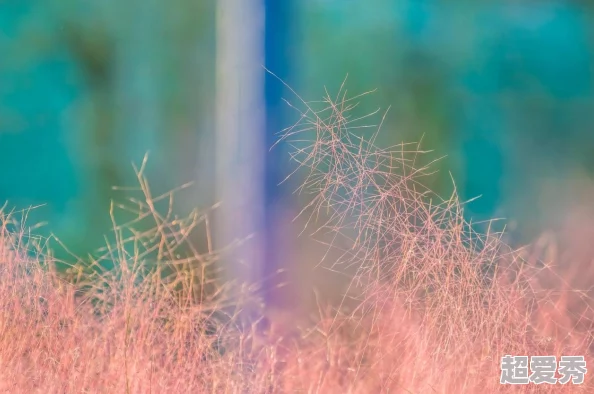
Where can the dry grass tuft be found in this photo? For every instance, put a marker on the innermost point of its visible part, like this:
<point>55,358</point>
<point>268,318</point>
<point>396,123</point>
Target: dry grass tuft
<point>432,308</point>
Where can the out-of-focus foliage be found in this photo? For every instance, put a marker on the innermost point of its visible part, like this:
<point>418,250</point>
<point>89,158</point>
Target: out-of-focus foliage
<point>504,89</point>
<point>87,88</point>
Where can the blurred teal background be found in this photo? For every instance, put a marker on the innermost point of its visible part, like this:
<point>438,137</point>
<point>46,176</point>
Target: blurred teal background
<point>504,89</point>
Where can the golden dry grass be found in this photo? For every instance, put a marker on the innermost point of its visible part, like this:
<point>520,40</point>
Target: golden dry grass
<point>432,308</point>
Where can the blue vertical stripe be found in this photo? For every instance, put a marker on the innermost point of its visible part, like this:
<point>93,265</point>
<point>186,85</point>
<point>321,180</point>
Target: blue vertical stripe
<point>278,25</point>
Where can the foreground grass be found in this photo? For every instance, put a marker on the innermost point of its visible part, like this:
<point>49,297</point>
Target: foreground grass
<point>436,305</point>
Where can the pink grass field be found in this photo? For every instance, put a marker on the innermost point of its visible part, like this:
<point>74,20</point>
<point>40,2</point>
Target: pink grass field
<point>432,306</point>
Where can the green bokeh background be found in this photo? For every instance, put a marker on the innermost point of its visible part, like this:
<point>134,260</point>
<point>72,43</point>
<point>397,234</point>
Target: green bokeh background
<point>503,89</point>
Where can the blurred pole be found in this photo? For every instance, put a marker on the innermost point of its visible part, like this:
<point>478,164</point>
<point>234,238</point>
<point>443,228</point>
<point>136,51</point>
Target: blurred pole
<point>279,18</point>
<point>240,141</point>
<point>250,114</point>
